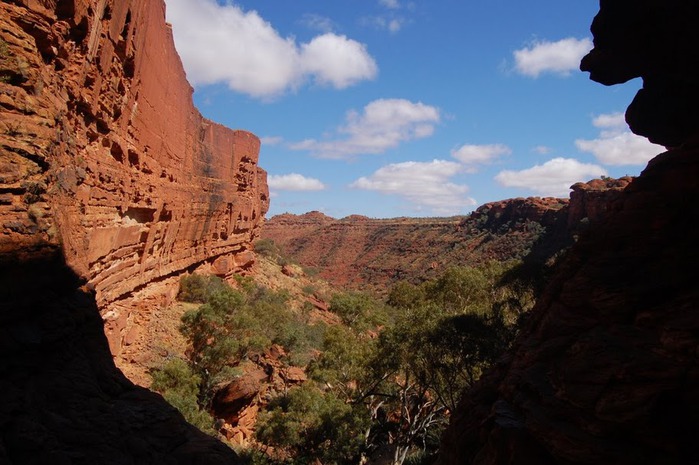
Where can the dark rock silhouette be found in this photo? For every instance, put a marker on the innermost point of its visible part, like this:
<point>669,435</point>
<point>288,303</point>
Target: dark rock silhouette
<point>605,370</point>
<point>63,400</point>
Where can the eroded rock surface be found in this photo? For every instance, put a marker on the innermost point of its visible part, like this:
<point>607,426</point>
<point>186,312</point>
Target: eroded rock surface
<point>104,164</point>
<point>104,154</point>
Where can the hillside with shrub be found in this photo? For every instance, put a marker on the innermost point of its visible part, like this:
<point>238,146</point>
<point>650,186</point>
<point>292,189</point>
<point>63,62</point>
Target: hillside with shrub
<point>286,377</point>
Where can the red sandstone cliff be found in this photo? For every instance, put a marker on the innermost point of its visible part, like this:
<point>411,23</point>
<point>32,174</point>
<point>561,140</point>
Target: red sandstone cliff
<point>104,164</point>
<point>104,155</point>
<point>605,370</point>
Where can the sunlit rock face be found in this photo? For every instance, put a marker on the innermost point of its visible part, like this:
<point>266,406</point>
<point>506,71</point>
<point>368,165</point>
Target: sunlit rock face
<point>605,369</point>
<point>105,156</point>
<point>112,184</point>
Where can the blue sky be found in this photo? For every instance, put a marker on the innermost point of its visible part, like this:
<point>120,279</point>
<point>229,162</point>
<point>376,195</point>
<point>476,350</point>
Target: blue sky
<point>390,108</point>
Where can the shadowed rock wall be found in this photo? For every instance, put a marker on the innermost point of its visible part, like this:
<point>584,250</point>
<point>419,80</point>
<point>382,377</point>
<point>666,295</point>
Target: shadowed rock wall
<point>605,370</point>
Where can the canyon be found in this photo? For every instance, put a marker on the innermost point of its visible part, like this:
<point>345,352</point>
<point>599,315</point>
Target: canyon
<point>112,185</point>
<point>357,252</point>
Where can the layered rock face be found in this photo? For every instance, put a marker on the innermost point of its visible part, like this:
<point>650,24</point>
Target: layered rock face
<point>605,370</point>
<point>104,153</point>
<point>105,156</point>
<point>108,176</point>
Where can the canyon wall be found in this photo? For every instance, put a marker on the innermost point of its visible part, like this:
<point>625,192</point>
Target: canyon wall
<point>111,185</point>
<point>605,369</point>
<point>105,156</point>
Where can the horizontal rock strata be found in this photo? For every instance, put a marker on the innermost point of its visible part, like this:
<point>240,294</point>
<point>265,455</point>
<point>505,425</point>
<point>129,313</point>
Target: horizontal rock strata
<point>111,186</point>
<point>105,156</point>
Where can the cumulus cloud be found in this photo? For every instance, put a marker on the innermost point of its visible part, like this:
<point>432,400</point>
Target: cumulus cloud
<point>294,182</point>
<point>336,60</point>
<point>553,178</point>
<point>425,185</point>
<point>224,44</point>
<point>472,155</point>
<point>383,125</point>
<point>610,120</point>
<point>560,57</point>
<point>616,144</point>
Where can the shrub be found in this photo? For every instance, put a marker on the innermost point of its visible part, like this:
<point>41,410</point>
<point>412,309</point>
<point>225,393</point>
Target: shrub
<point>267,248</point>
<point>315,425</point>
<point>179,385</point>
<point>199,288</point>
<point>358,310</point>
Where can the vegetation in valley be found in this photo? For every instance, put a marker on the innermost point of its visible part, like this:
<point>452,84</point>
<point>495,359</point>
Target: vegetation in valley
<point>380,383</point>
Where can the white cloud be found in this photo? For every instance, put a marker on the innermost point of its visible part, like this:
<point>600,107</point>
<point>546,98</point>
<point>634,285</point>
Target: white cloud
<point>337,60</point>
<point>271,140</point>
<point>424,184</point>
<point>392,25</point>
<point>610,120</point>
<point>390,4</point>
<point>616,144</point>
<point>223,43</point>
<point>383,125</point>
<point>560,57</point>
<point>480,154</point>
<point>395,25</point>
<point>553,178</point>
<point>542,149</point>
<point>294,182</point>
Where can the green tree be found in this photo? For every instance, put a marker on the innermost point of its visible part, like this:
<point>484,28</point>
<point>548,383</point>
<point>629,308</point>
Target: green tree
<point>358,310</point>
<point>179,385</point>
<point>314,425</point>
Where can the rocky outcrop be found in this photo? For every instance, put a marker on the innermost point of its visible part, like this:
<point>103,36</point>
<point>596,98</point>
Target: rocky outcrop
<point>263,378</point>
<point>106,164</point>
<point>655,41</point>
<point>605,369</point>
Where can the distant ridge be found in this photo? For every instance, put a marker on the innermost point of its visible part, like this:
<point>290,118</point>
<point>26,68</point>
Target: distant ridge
<point>361,252</point>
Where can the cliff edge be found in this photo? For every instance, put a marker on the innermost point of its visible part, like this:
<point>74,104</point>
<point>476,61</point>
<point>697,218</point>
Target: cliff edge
<point>105,157</point>
<point>111,185</point>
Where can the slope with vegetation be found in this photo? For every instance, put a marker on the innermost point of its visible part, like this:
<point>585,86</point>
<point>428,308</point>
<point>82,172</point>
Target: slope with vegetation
<point>371,380</point>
